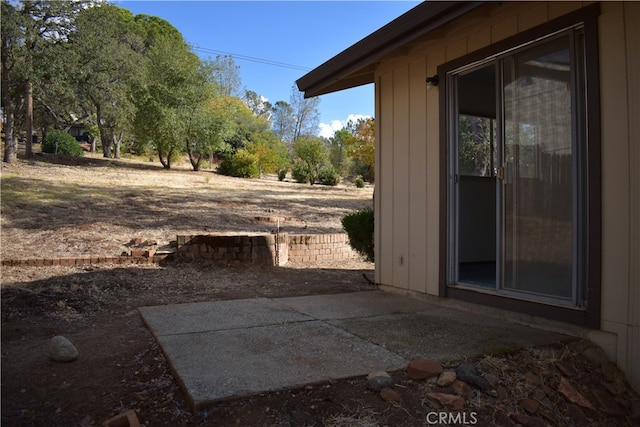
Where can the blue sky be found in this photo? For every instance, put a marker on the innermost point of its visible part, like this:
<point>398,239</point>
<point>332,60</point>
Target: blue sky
<point>299,33</point>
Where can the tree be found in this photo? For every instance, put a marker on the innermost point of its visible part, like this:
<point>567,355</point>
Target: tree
<point>11,76</point>
<point>305,113</point>
<point>361,146</point>
<point>283,121</point>
<point>475,145</point>
<point>108,50</point>
<point>206,129</point>
<point>30,30</point>
<point>227,75</point>
<point>174,87</point>
<point>272,154</point>
<point>338,151</point>
<point>313,152</point>
<point>258,104</point>
<point>245,124</point>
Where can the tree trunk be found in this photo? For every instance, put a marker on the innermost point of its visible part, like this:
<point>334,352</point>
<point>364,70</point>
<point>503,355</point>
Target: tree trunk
<point>165,163</point>
<point>105,136</point>
<point>8,108</point>
<point>117,141</point>
<point>106,142</point>
<point>169,155</point>
<point>10,142</point>
<point>29,120</point>
<point>195,162</point>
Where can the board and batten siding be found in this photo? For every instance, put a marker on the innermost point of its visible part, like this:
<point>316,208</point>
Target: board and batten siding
<point>408,150</point>
<point>619,48</point>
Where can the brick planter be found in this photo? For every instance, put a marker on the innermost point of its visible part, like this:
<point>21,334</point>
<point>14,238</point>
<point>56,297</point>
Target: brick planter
<point>259,249</point>
<point>87,260</point>
<point>262,249</point>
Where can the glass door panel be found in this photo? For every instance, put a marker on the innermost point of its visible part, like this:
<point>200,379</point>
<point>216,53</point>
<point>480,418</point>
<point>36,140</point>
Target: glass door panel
<point>475,182</point>
<point>538,156</point>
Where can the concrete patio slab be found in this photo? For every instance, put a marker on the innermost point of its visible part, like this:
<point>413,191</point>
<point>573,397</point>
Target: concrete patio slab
<point>445,334</point>
<point>219,350</point>
<point>219,315</point>
<point>238,362</point>
<point>358,304</point>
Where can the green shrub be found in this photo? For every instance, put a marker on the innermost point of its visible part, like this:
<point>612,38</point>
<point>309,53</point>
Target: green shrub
<point>359,182</point>
<point>359,228</point>
<point>242,164</point>
<point>61,142</point>
<point>282,174</point>
<point>301,173</point>
<point>328,176</point>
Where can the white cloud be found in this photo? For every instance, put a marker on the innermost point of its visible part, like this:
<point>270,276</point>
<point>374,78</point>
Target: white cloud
<point>327,130</point>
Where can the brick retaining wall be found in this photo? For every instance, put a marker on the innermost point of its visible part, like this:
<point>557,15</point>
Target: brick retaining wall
<point>320,247</point>
<point>259,249</point>
<point>87,260</point>
<point>262,249</point>
<point>234,249</point>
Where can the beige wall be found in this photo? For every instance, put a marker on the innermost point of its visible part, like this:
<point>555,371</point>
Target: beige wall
<point>408,153</point>
<point>620,106</point>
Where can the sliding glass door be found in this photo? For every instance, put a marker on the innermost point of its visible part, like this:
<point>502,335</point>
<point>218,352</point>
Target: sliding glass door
<point>515,155</point>
<point>538,186</point>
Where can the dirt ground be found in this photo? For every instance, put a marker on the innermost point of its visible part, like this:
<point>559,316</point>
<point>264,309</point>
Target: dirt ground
<point>57,207</point>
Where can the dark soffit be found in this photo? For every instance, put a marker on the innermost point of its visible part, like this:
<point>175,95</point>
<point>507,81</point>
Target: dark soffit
<point>355,66</point>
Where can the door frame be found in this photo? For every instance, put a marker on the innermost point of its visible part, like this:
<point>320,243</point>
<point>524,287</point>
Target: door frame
<point>591,184</point>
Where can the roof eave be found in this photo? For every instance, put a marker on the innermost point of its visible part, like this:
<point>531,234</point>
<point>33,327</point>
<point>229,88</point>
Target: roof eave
<point>355,65</point>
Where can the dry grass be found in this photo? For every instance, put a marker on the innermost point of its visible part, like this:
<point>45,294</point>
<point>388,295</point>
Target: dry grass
<point>93,206</point>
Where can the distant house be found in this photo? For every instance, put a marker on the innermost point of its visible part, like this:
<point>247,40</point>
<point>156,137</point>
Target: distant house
<point>80,133</point>
<point>508,159</point>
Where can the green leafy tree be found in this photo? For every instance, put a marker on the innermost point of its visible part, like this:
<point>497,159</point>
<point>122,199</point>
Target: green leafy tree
<point>313,152</point>
<point>31,29</point>
<point>271,153</point>
<point>361,147</point>
<point>338,151</point>
<point>245,124</point>
<point>109,60</point>
<point>475,145</point>
<point>174,89</point>
<point>208,128</point>
<point>258,105</point>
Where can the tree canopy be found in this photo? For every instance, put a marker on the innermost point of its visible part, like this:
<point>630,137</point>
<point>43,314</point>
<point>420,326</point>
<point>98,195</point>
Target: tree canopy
<point>134,82</point>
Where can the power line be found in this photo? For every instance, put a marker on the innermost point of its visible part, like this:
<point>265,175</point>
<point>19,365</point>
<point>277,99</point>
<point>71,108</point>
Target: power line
<point>251,58</point>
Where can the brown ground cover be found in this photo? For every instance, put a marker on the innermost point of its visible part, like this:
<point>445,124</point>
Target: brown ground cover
<point>72,207</point>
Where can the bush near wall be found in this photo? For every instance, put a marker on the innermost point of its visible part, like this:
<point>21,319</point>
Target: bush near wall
<point>359,227</point>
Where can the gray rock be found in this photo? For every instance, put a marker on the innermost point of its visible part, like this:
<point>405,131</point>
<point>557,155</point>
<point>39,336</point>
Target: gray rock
<point>467,372</point>
<point>62,350</point>
<point>376,381</point>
